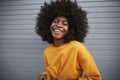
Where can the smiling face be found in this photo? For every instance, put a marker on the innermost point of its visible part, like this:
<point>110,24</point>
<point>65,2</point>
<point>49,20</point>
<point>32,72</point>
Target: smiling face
<point>59,28</point>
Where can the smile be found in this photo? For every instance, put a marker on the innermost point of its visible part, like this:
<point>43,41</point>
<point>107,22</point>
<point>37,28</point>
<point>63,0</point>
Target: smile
<point>57,31</point>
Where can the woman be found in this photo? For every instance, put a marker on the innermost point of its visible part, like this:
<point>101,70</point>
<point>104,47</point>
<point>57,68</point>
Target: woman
<point>64,25</point>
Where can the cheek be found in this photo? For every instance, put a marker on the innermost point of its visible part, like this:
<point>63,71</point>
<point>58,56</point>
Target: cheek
<point>66,29</point>
<point>51,26</point>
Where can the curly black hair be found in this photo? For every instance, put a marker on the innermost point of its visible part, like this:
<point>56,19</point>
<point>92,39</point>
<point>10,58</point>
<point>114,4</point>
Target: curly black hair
<point>77,18</point>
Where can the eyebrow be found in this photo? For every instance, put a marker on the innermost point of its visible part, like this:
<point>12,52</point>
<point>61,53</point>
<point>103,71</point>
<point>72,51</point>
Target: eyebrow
<point>62,19</point>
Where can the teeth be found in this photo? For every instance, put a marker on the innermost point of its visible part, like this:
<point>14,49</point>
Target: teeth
<point>56,30</point>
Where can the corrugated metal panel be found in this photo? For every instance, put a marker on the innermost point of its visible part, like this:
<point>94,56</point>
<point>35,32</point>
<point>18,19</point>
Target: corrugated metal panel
<point>21,50</point>
<point>104,37</point>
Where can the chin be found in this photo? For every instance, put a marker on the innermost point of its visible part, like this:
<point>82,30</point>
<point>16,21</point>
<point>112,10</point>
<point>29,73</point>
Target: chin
<point>58,38</point>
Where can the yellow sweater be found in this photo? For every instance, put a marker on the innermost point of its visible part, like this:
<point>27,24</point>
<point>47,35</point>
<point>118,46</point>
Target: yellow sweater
<point>68,61</point>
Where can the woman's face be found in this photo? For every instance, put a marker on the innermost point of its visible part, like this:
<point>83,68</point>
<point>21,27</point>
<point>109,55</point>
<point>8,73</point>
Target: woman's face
<point>59,27</point>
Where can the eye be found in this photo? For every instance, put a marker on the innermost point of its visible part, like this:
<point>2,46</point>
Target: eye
<point>65,23</point>
<point>55,21</point>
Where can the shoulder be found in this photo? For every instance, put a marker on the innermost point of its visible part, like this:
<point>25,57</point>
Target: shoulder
<point>82,49</point>
<point>47,48</point>
<point>77,44</point>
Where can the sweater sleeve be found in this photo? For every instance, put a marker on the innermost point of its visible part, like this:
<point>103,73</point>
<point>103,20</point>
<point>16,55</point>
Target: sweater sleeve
<point>46,72</point>
<point>88,65</point>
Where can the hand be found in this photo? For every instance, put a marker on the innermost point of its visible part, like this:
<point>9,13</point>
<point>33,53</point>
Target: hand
<point>42,77</point>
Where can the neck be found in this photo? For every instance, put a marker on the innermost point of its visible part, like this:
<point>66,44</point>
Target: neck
<point>58,43</point>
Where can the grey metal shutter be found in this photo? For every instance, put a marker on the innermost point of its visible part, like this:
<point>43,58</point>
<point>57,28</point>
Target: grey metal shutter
<point>21,50</point>
<point>103,40</point>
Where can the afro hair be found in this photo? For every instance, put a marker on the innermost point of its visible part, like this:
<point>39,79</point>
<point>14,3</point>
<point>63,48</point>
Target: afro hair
<point>77,18</point>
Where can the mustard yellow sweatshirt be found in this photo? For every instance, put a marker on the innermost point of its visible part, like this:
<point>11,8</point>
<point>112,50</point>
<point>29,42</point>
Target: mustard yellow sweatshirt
<point>68,61</point>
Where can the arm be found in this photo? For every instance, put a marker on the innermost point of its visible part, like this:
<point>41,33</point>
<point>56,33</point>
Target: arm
<point>44,75</point>
<point>88,65</point>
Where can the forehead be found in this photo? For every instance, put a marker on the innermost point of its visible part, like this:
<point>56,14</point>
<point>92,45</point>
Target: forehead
<point>62,18</point>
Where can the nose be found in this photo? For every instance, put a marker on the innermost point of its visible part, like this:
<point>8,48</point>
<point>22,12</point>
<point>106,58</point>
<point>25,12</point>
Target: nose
<point>59,24</point>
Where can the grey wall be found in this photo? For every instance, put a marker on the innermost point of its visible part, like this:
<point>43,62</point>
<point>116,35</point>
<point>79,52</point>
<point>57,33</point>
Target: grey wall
<point>21,50</point>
